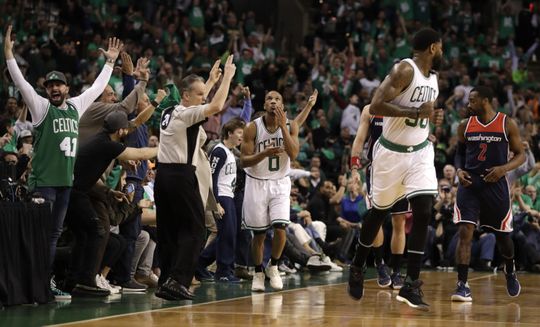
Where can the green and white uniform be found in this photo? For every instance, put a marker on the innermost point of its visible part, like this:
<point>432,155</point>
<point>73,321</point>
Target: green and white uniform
<point>403,157</point>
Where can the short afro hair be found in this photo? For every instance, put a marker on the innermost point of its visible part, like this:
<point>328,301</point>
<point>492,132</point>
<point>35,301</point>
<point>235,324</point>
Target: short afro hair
<point>484,92</point>
<point>424,38</point>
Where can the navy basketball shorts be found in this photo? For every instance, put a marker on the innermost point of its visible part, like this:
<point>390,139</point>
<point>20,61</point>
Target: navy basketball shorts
<point>484,204</point>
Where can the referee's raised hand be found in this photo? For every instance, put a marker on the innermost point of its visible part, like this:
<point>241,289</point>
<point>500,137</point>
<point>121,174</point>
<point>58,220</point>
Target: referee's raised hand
<point>230,67</point>
<point>115,46</point>
<point>8,44</point>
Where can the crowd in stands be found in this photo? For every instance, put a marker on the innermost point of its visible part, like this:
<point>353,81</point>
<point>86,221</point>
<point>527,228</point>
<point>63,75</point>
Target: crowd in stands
<point>350,49</point>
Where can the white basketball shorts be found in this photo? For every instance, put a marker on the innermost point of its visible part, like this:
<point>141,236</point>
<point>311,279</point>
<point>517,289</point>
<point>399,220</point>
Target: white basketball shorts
<point>266,203</point>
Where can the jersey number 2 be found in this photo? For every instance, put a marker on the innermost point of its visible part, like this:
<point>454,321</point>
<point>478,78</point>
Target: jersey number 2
<point>68,146</point>
<point>273,163</point>
<point>483,150</point>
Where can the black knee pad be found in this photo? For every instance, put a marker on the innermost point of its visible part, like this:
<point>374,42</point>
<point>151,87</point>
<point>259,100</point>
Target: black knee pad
<point>259,232</point>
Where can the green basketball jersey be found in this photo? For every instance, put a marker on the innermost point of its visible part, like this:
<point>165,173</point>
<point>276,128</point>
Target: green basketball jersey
<point>55,147</point>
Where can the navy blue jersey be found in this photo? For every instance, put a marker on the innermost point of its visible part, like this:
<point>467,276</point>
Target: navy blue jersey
<point>486,145</point>
<point>375,131</point>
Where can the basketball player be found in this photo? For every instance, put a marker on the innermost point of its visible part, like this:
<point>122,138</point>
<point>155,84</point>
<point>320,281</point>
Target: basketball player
<point>372,126</point>
<point>483,196</point>
<point>403,160</point>
<point>270,142</point>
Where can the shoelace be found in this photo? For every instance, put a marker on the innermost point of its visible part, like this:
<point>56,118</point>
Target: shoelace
<point>415,287</point>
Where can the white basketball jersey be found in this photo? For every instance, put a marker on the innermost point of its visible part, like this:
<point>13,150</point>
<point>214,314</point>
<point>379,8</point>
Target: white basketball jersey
<point>407,131</point>
<point>275,167</point>
<point>227,175</point>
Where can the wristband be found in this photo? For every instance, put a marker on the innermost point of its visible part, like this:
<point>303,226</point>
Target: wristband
<point>355,162</point>
<point>154,103</point>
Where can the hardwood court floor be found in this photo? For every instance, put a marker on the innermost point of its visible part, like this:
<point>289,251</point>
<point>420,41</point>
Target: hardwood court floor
<point>329,305</point>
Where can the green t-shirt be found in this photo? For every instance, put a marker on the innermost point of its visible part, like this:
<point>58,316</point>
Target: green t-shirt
<point>196,17</point>
<point>244,69</point>
<point>55,148</point>
<point>506,27</point>
<point>405,8</point>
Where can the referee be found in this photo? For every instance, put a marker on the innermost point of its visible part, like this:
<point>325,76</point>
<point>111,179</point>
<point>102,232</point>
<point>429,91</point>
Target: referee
<point>183,183</point>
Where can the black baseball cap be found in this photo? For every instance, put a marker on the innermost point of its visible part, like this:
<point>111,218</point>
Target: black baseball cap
<point>55,76</point>
<point>115,120</point>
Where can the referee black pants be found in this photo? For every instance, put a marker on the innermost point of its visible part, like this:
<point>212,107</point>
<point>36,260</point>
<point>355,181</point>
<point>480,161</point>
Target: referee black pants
<point>180,221</point>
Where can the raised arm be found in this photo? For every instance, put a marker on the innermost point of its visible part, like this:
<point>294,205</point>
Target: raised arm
<point>83,101</point>
<point>218,101</point>
<point>399,78</point>
<point>144,115</point>
<point>36,103</point>
<point>303,115</point>
<point>290,135</point>
<point>214,76</point>
<point>360,138</point>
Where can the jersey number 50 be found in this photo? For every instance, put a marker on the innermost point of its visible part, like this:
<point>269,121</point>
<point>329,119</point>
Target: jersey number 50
<point>414,122</point>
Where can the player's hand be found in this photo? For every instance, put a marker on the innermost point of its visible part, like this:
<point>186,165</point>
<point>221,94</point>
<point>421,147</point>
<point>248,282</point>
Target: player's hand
<point>215,73</point>
<point>281,117</point>
<point>437,117</point>
<point>127,64</point>
<point>464,178</point>
<point>312,99</point>
<point>115,46</point>
<point>494,174</point>
<point>426,109</point>
<point>8,43</point>
<point>230,68</point>
<point>220,211</point>
<point>272,151</point>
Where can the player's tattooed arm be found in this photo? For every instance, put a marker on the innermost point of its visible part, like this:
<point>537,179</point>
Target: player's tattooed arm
<point>398,80</point>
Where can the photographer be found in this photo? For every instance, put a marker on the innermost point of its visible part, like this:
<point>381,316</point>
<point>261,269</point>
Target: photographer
<point>443,228</point>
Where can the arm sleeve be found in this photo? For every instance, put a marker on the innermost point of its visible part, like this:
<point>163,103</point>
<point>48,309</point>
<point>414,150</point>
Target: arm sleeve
<point>217,160</point>
<point>247,111</point>
<point>83,101</point>
<point>37,105</point>
<point>129,83</point>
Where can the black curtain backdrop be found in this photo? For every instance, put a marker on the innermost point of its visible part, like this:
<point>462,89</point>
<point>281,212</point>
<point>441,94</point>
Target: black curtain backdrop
<point>24,253</point>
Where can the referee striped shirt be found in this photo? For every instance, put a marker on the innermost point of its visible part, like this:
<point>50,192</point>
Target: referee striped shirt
<point>182,135</point>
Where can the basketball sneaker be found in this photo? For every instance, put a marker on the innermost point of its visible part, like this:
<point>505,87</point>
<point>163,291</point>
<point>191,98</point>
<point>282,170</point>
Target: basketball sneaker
<point>397,281</point>
<point>383,278</point>
<point>275,279</point>
<point>356,283</point>
<point>462,293</point>
<point>512,284</point>
<point>411,294</point>
<point>257,284</point>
